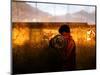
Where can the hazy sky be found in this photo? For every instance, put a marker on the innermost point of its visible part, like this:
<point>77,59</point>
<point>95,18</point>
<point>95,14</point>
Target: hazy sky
<point>93,2</point>
<point>63,9</point>
<point>57,9</point>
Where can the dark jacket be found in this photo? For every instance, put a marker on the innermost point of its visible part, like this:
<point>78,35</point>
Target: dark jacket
<point>69,55</point>
<point>63,59</point>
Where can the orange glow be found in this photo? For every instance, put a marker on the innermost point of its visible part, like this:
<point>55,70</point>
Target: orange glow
<point>20,35</point>
<point>90,35</point>
<point>50,33</point>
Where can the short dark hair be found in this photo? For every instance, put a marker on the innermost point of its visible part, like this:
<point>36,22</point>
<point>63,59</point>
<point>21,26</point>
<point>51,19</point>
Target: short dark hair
<point>64,28</point>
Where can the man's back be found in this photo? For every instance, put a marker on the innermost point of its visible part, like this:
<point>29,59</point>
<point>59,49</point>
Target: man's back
<point>69,61</point>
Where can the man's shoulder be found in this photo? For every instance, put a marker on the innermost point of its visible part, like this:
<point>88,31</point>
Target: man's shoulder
<point>71,43</point>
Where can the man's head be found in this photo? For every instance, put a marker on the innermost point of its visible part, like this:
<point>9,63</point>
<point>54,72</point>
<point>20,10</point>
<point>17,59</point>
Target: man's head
<point>64,30</point>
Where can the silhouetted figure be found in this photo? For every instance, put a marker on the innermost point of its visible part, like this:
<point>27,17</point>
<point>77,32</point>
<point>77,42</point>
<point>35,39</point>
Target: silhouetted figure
<point>62,57</point>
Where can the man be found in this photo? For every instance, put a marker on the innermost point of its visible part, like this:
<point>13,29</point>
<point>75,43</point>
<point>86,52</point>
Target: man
<point>62,57</point>
<point>69,55</point>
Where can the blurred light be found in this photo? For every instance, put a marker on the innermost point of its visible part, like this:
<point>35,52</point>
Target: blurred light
<point>20,35</point>
<point>90,35</point>
<point>33,20</point>
<point>88,39</point>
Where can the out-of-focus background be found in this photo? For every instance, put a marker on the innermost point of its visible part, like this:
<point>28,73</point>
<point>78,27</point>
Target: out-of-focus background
<point>30,40</point>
